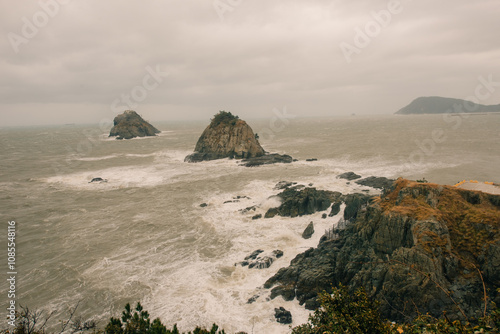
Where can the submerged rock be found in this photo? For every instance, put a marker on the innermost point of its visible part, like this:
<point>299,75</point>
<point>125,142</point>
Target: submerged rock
<point>226,136</point>
<point>98,179</point>
<point>130,125</point>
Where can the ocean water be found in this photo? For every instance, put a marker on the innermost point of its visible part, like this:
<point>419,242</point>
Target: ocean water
<point>143,236</point>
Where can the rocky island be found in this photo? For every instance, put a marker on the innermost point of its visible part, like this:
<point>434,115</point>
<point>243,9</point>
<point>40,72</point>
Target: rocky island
<point>129,125</point>
<point>227,136</point>
<point>417,248</point>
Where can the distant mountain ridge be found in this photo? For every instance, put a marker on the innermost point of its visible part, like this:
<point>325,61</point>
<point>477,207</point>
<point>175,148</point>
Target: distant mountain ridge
<point>443,105</point>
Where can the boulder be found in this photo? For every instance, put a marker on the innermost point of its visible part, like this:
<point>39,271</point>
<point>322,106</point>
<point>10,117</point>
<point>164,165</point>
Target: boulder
<point>309,231</point>
<point>283,316</point>
<point>130,125</point>
<point>349,176</point>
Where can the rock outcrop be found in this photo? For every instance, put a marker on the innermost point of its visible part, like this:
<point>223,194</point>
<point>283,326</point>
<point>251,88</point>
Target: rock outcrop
<point>130,125</point>
<point>226,136</point>
<point>267,159</point>
<point>419,247</point>
<point>301,202</point>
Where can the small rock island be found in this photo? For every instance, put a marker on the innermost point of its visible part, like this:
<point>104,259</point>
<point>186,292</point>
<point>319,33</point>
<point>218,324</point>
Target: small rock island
<point>228,136</point>
<point>129,125</point>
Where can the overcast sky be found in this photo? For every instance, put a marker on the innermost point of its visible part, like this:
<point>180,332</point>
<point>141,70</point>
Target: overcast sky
<point>75,61</point>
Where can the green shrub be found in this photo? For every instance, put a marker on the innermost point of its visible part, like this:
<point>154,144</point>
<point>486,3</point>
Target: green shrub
<point>138,322</point>
<point>341,312</point>
<point>224,117</point>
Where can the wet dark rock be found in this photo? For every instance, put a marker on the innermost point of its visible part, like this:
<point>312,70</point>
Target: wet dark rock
<point>130,125</point>
<point>376,182</point>
<point>312,159</point>
<point>258,261</point>
<point>283,185</point>
<point>248,209</point>
<point>283,316</point>
<point>254,254</point>
<point>232,201</point>
<point>257,216</point>
<point>98,179</point>
<point>309,231</point>
<point>335,208</point>
<point>203,205</point>
<point>253,299</point>
<point>271,213</point>
<point>323,216</point>
<point>349,176</point>
<point>266,159</point>
<point>301,202</point>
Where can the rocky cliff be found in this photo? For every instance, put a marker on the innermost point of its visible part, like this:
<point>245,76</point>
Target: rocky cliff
<point>226,136</point>
<point>416,248</point>
<point>129,125</point>
<point>442,105</point>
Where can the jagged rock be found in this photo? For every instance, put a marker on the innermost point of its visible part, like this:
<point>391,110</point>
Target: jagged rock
<point>283,316</point>
<point>98,179</point>
<point>257,216</point>
<point>301,202</point>
<point>349,176</point>
<point>253,299</point>
<point>226,136</point>
<point>254,254</point>
<point>130,125</point>
<point>405,247</point>
<point>283,185</point>
<point>376,182</point>
<point>254,260</point>
<point>335,209</point>
<point>266,159</point>
<point>309,231</point>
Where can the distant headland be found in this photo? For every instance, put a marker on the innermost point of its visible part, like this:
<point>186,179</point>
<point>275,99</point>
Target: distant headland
<point>444,105</point>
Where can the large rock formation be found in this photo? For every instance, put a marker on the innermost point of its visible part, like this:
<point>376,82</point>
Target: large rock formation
<point>443,105</point>
<point>129,125</point>
<point>226,136</point>
<point>419,247</point>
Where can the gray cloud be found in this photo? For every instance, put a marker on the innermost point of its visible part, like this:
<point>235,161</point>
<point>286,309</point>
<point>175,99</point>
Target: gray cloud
<point>263,54</point>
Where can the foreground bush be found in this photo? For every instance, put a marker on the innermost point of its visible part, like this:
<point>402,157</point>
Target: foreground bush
<point>138,322</point>
<point>341,312</point>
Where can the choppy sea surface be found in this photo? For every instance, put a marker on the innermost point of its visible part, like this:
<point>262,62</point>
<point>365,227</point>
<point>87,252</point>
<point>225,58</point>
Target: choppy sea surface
<point>142,235</point>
